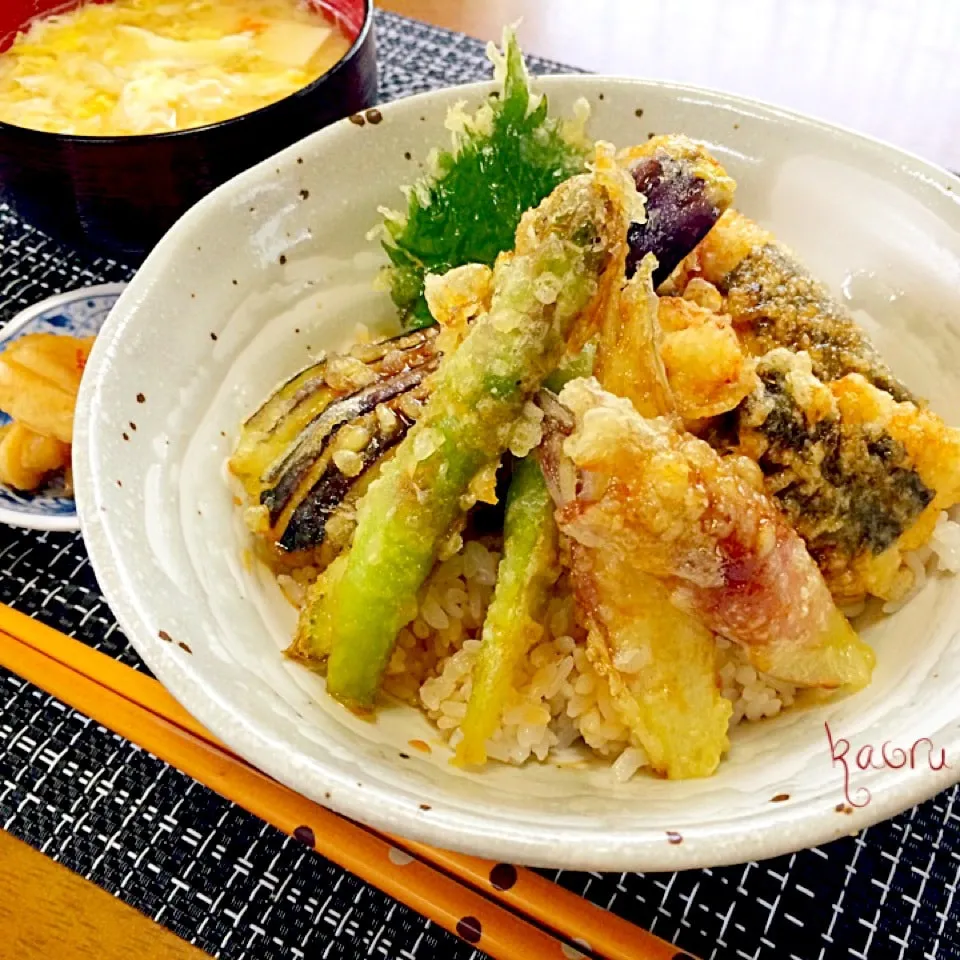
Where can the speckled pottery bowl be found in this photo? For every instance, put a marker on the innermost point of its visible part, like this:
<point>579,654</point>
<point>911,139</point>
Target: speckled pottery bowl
<point>274,266</point>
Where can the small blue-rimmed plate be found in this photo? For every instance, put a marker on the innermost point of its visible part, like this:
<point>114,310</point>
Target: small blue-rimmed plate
<point>80,313</point>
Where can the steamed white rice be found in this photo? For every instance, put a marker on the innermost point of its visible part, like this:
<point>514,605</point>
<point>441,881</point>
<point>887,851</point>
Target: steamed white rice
<point>940,554</point>
<point>559,703</point>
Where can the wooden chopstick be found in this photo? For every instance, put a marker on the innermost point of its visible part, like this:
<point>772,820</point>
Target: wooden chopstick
<point>106,671</point>
<point>552,906</point>
<point>523,890</point>
<point>458,909</point>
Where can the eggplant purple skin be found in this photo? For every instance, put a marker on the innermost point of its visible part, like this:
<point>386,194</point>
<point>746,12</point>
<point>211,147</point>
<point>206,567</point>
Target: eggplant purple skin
<point>318,434</point>
<point>270,414</point>
<point>308,525</point>
<point>680,213</point>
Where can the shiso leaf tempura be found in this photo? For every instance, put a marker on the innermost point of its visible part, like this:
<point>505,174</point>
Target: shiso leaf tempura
<point>506,158</point>
<point>562,248</point>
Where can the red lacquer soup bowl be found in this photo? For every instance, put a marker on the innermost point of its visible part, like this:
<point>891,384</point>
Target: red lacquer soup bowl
<point>119,195</point>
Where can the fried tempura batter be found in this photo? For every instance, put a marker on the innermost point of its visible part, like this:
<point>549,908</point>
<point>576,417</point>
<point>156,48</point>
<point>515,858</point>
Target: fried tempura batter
<point>774,302</point>
<point>659,662</point>
<point>669,355</point>
<point>686,189</point>
<point>705,363</point>
<point>663,503</point>
<point>861,469</point>
<point>861,477</point>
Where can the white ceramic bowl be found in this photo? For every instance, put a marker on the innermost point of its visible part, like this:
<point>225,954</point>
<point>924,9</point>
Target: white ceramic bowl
<point>274,266</point>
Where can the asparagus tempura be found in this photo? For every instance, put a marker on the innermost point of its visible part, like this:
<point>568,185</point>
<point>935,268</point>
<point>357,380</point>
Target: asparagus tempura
<point>562,249</point>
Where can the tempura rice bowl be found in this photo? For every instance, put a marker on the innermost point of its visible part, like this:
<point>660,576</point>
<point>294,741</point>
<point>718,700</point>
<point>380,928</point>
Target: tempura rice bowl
<point>272,268</point>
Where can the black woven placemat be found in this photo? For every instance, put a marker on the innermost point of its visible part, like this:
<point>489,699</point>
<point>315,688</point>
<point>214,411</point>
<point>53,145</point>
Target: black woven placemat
<point>239,889</point>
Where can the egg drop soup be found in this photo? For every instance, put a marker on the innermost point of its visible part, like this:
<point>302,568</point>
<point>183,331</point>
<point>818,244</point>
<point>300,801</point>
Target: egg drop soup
<point>153,66</point>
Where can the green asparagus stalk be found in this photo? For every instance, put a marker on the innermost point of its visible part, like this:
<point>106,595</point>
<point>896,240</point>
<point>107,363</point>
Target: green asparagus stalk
<point>562,248</point>
<point>527,569</point>
<point>572,367</point>
<point>511,628</point>
<point>526,572</point>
